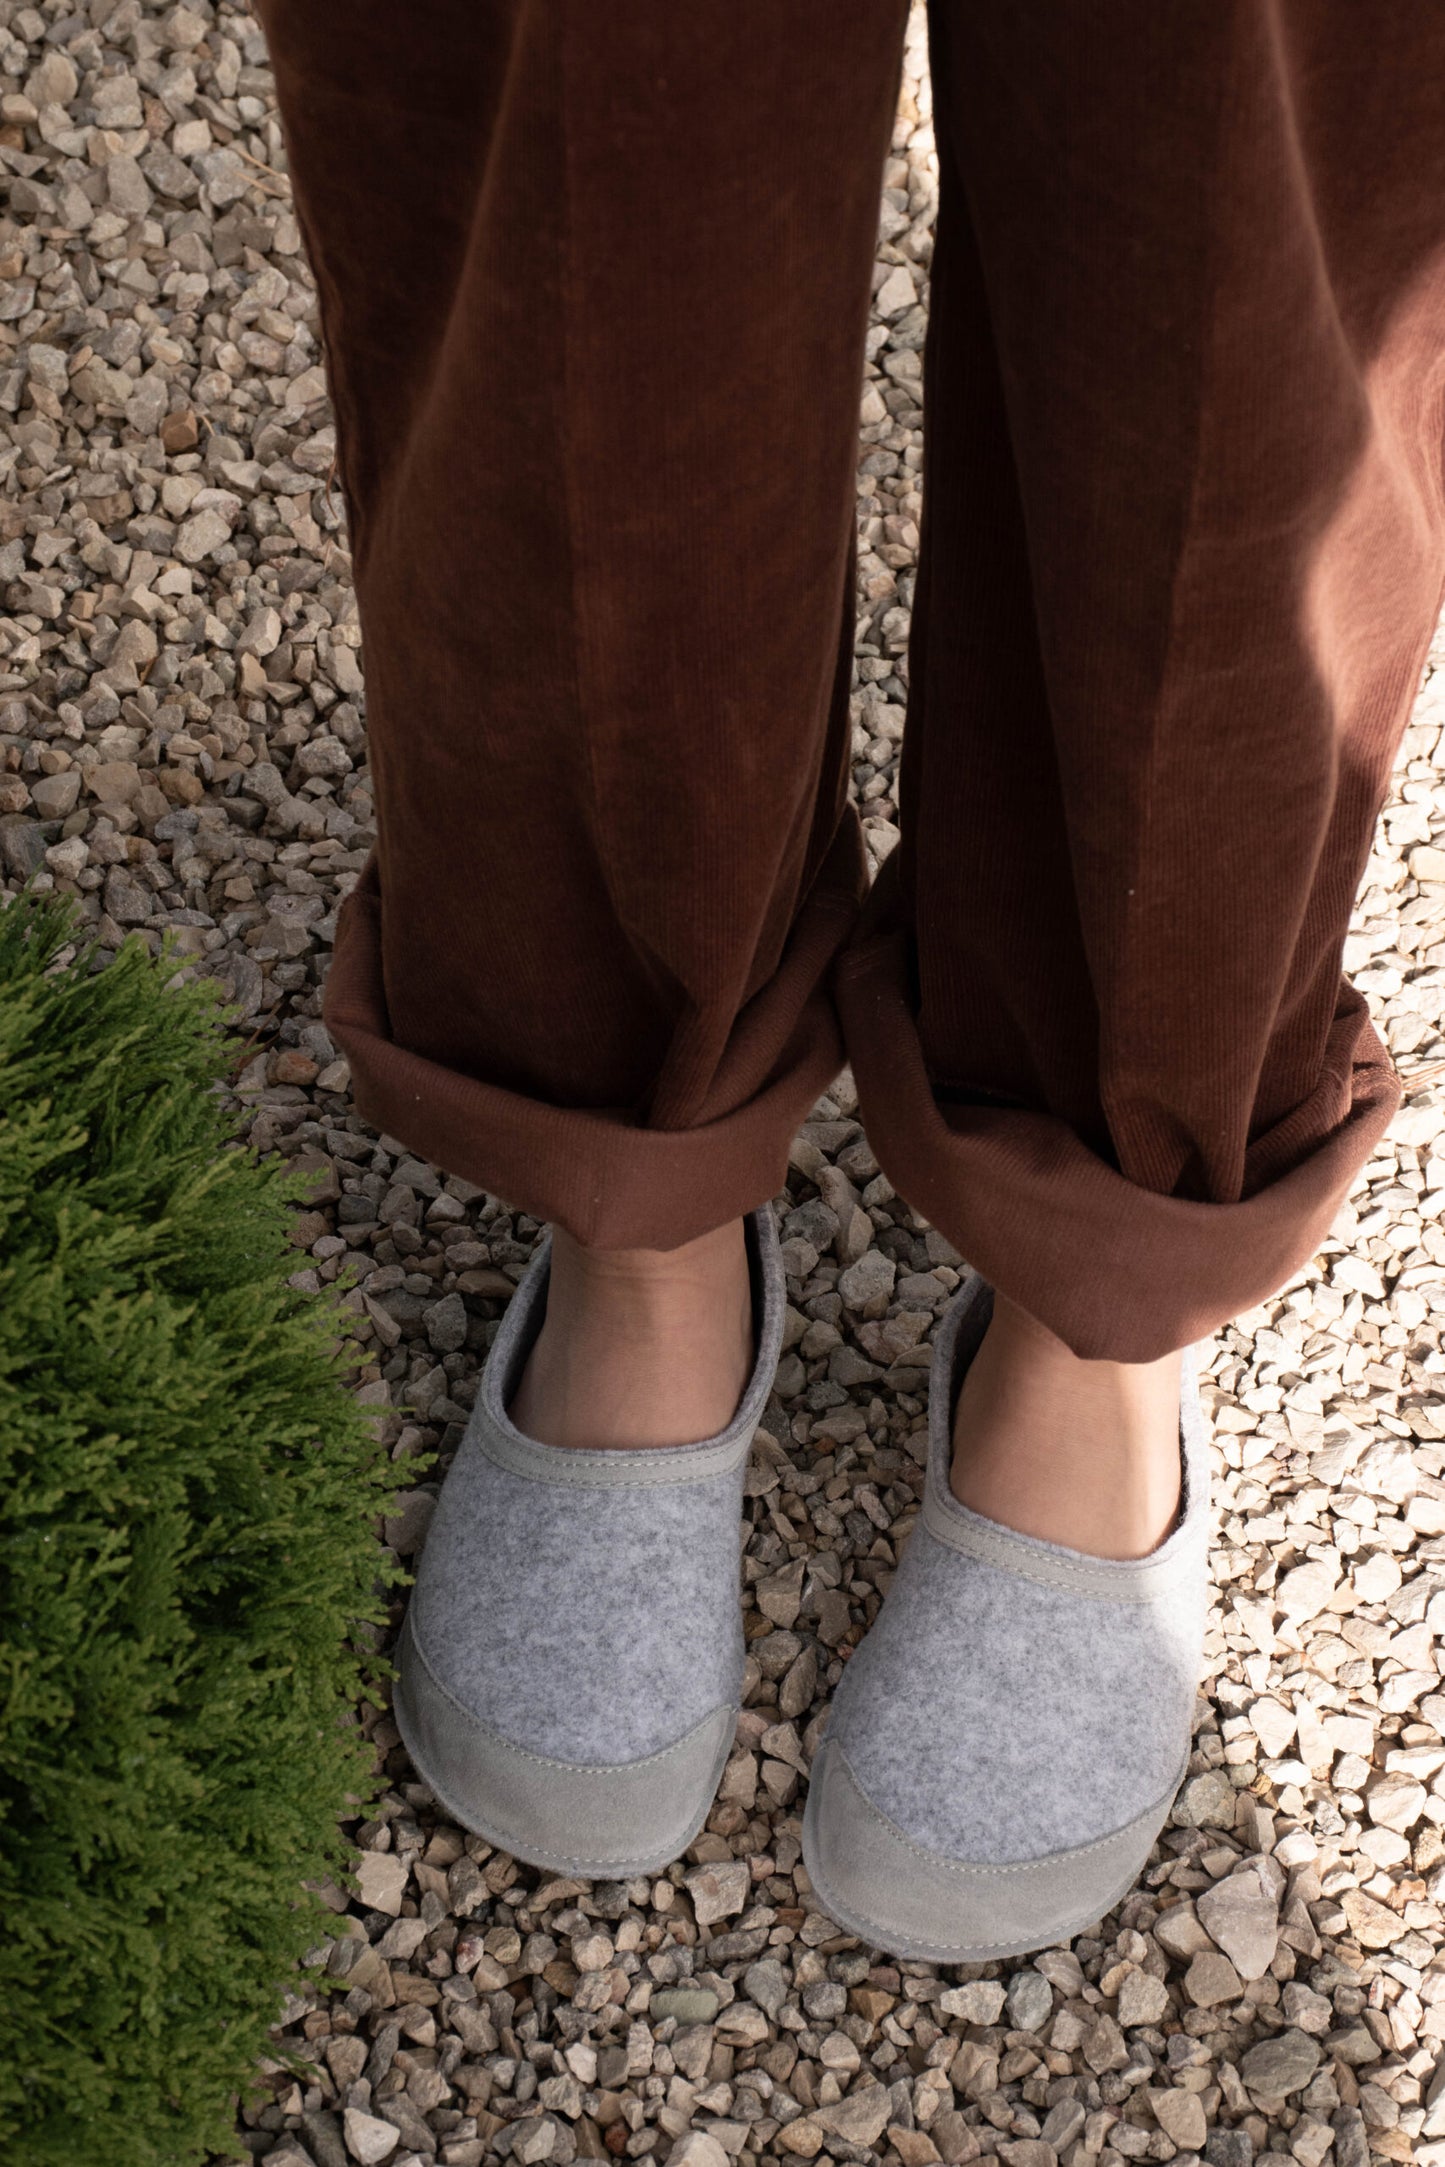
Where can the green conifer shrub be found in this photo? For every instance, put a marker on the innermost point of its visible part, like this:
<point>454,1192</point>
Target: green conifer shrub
<point>188,1494</point>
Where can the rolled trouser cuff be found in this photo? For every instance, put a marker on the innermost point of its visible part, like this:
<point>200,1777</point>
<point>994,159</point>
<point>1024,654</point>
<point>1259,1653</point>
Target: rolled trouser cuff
<point>599,1173</point>
<point>1119,1272</point>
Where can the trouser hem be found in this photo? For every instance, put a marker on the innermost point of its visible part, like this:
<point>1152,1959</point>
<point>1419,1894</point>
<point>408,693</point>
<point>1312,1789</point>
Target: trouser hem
<point>1119,1272</point>
<point>607,1179</point>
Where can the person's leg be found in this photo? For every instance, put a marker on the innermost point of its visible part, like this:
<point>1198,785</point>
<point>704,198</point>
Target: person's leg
<point>1182,558</point>
<point>639,1346</point>
<point>1079,1452</point>
<point>595,285</point>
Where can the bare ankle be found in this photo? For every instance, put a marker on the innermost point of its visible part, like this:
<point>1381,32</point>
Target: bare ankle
<point>640,1347</point>
<point>650,1277</point>
<point>1077,1452</point>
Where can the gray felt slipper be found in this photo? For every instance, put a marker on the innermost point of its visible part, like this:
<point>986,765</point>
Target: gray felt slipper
<point>1007,1742</point>
<point>571,1663</point>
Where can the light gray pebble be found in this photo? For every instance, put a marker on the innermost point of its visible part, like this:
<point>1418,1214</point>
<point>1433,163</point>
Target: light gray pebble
<point>870,1279</point>
<point>1281,2065</point>
<point>446,1324</point>
<point>1030,2001</point>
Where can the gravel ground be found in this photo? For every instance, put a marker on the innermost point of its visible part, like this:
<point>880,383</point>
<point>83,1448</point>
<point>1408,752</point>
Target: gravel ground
<point>180,725</point>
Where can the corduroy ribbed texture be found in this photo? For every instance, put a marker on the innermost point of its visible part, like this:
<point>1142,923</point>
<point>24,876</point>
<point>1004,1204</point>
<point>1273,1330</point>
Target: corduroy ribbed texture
<point>595,285</point>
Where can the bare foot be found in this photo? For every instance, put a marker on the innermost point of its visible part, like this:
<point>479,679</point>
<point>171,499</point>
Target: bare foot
<point>640,1346</point>
<point>1080,1453</point>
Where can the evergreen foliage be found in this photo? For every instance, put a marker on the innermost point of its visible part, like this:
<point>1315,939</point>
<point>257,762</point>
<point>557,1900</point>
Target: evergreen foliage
<point>190,1494</point>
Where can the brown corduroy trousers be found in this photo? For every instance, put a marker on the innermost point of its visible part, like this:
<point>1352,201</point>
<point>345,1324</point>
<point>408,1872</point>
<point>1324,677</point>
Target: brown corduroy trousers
<point>595,284</point>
